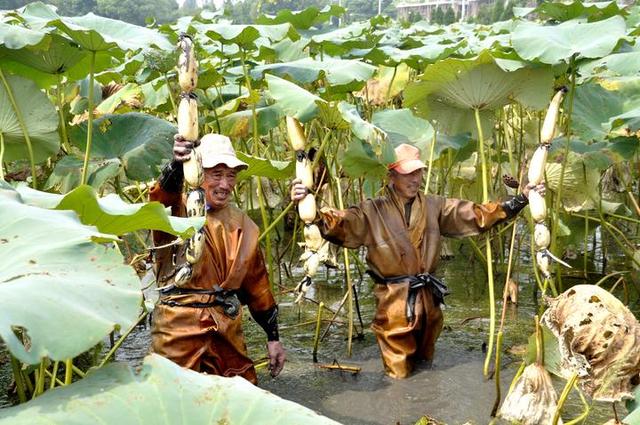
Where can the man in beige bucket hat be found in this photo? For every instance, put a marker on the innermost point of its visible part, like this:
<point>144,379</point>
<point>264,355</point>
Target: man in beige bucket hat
<point>191,324</point>
<point>402,230</point>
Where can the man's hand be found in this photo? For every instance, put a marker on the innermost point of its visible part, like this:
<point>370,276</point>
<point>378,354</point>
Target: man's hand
<point>277,357</point>
<point>181,148</point>
<point>298,190</point>
<point>541,189</point>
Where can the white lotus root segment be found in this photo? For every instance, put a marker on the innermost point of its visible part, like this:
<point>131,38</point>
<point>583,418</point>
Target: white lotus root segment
<point>196,203</point>
<point>304,172</point>
<point>598,338</point>
<point>537,206</point>
<point>307,208</point>
<point>187,64</point>
<point>533,400</point>
<point>537,163</point>
<point>193,171</point>
<point>544,263</point>
<point>549,125</point>
<point>195,247</point>
<point>188,117</point>
<point>541,236</point>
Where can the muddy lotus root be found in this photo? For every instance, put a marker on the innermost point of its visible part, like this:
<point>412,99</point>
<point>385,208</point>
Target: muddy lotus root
<point>533,400</point>
<point>599,339</point>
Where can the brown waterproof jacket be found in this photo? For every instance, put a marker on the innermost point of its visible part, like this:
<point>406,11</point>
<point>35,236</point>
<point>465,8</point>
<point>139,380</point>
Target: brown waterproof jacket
<point>205,339</point>
<point>397,247</point>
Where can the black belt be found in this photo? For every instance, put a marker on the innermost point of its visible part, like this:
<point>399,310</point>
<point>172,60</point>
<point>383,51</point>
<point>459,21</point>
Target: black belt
<point>228,300</point>
<point>420,280</point>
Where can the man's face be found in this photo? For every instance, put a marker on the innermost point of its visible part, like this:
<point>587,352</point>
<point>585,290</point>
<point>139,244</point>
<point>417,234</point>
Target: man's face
<point>218,185</point>
<point>406,185</point>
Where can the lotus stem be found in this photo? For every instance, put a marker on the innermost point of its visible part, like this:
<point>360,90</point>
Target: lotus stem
<point>335,314</point>
<point>68,371</point>
<point>54,378</point>
<point>431,151</point>
<point>563,397</point>
<point>18,378</point>
<point>347,270</point>
<point>63,124</point>
<point>40,377</point>
<point>393,77</point>
<point>275,222</point>
<point>87,152</point>
<point>173,102</point>
<point>489,256</point>
<point>496,403</point>
<point>121,340</point>
<point>523,365</point>
<point>78,371</point>
<point>54,374</point>
<point>583,415</point>
<point>1,156</point>
<point>23,127</point>
<point>316,338</point>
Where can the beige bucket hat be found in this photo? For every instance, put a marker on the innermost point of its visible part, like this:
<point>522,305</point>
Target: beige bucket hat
<point>216,149</point>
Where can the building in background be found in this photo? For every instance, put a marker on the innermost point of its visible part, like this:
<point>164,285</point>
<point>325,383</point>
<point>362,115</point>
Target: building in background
<point>463,9</point>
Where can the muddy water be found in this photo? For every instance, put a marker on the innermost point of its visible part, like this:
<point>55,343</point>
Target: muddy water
<point>453,391</point>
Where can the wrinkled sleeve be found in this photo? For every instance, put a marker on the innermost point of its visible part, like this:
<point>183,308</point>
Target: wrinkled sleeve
<point>168,199</point>
<point>459,218</point>
<point>348,228</point>
<point>255,291</point>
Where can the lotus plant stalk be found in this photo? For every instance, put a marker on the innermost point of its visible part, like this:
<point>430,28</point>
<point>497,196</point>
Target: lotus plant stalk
<point>23,127</point>
<point>1,156</point>
<point>489,256</point>
<point>87,152</point>
<point>316,338</point>
<point>63,124</point>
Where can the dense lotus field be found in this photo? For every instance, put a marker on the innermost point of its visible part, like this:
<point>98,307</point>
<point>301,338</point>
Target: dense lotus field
<point>88,109</point>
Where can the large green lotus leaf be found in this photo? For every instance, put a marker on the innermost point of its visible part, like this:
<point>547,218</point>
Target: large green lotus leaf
<point>155,93</point>
<point>629,120</point>
<point>451,89</point>
<point>593,106</point>
<point>67,174</point>
<point>622,63</point>
<point>339,41</point>
<point>276,170</point>
<point>359,160</point>
<point>246,35</point>
<point>416,58</point>
<point>556,44</point>
<point>239,125</point>
<point>40,119</point>
<point>289,51</point>
<point>111,214</point>
<point>60,55</point>
<point>402,126</point>
<point>142,142</point>
<point>292,99</point>
<point>61,292</point>
<point>361,128</point>
<point>338,72</point>
<point>128,92</point>
<point>302,19</point>
<point>161,392</point>
<point>17,37</point>
<point>37,15</point>
<point>566,11</point>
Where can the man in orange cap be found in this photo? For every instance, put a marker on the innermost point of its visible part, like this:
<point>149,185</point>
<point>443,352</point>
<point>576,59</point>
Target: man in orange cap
<point>199,325</point>
<point>401,230</point>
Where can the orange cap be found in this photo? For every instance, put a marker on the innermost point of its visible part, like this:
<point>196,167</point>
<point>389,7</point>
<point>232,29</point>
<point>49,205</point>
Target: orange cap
<point>407,159</point>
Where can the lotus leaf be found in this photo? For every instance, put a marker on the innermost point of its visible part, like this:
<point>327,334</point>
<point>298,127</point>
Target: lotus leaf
<point>246,35</point>
<point>593,106</point>
<point>359,160</point>
<point>161,392</point>
<point>348,74</point>
<point>239,125</point>
<point>292,99</point>
<point>67,173</point>
<point>361,128</point>
<point>77,291</point>
<point>557,44</point>
<point>40,119</point>
<point>110,214</point>
<point>621,63</point>
<point>401,126</point>
<point>578,9</point>
<point>303,19</point>
<point>274,170</point>
<point>599,340</point>
<point>533,400</point>
<point>339,41</point>
<point>17,37</point>
<point>142,142</point>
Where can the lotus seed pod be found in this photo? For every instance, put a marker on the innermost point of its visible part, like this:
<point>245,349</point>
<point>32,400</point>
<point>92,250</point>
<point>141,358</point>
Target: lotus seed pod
<point>537,206</point>
<point>541,236</point>
<point>536,166</point>
<point>187,65</point>
<point>312,237</point>
<point>544,263</point>
<point>195,247</point>
<point>307,208</point>
<point>188,117</point>
<point>195,203</point>
<point>193,171</point>
<point>304,173</point>
<point>296,134</point>
<point>183,275</point>
<point>549,125</point>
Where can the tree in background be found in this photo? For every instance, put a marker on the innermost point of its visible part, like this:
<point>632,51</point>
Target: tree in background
<point>449,16</point>
<point>360,10</point>
<point>438,16</point>
<point>136,11</point>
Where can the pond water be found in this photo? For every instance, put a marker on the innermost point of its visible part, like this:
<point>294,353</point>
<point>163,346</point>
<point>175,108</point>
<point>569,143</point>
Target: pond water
<point>453,391</point>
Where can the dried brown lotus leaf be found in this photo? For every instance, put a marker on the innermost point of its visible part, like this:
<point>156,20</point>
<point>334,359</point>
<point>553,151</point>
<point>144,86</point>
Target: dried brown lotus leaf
<point>598,338</point>
<point>533,400</point>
